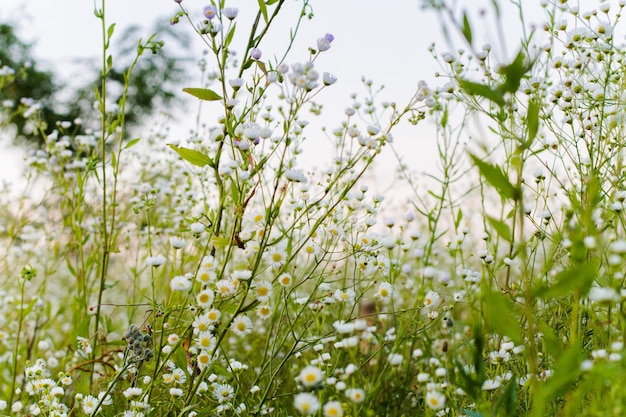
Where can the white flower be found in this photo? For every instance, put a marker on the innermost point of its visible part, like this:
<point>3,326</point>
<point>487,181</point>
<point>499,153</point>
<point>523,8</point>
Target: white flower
<point>132,392</point>
<point>285,279</point>
<point>155,261</point>
<point>241,326</point>
<point>180,283</point>
<point>490,384</point>
<point>236,83</point>
<point>263,290</point>
<point>306,403</point>
<point>603,295</point>
<point>230,12</point>
<point>176,392</point>
<point>432,299</point>
<point>197,228</point>
<point>177,242</point>
<point>89,404</point>
<point>205,298</point>
<point>435,400</point>
<point>223,392</point>
<point>356,395</point>
<point>328,78</point>
<point>206,341</point>
<point>295,175</point>
<point>333,409</point>
<point>310,376</point>
<point>346,296</point>
<point>395,359</point>
<point>384,291</point>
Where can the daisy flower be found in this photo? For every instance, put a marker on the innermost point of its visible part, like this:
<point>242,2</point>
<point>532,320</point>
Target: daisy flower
<point>241,275</point>
<point>333,409</point>
<point>208,262</point>
<point>203,359</point>
<point>306,403</point>
<point>241,326</point>
<point>201,324</point>
<point>310,376</point>
<point>89,404</point>
<point>276,257</point>
<point>213,315</point>
<point>285,279</point>
<point>356,395</point>
<point>180,283</point>
<point>225,287</point>
<point>384,291</point>
<point>432,299</point>
<point>205,275</point>
<point>263,290</point>
<point>346,296</point>
<point>206,341</point>
<point>205,298</point>
<point>435,400</point>
<point>223,392</point>
<point>264,311</point>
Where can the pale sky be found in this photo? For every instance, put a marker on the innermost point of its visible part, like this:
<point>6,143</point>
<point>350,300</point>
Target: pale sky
<point>383,41</point>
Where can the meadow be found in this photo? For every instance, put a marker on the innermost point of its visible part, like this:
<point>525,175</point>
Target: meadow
<point>218,276</point>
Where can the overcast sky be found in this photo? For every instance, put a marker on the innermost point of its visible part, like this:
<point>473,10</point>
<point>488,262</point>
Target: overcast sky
<point>383,41</point>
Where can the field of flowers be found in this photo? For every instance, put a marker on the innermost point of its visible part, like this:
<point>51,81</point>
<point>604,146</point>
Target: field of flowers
<point>218,276</point>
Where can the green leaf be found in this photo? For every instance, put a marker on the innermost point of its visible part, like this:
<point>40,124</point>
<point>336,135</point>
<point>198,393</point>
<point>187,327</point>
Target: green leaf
<point>230,35</point>
<point>496,177</point>
<point>550,341</point>
<point>503,229</point>
<point>132,143</point>
<point>203,94</point>
<point>500,317</point>
<point>110,31</point>
<point>467,29</point>
<point>513,73</point>
<point>578,277</point>
<point>565,373</point>
<point>220,242</point>
<point>507,400</point>
<point>482,90</point>
<point>193,157</point>
<point>263,9</point>
<point>262,67</point>
<point>532,121</point>
<point>459,217</point>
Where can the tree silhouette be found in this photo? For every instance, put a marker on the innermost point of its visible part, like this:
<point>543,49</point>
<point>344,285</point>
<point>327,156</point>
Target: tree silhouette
<point>153,84</point>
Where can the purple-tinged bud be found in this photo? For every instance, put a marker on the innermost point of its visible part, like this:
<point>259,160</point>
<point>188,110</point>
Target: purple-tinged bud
<point>209,12</point>
<point>255,53</point>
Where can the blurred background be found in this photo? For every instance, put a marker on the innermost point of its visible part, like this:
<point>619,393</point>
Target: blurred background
<point>388,45</point>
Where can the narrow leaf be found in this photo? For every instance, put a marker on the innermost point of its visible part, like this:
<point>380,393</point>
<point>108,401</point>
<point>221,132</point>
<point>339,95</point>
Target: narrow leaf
<point>579,277</point>
<point>193,157</point>
<point>132,143</point>
<point>110,31</point>
<point>467,29</point>
<point>263,9</point>
<point>532,121</point>
<point>482,90</point>
<point>550,341</point>
<point>496,177</point>
<point>566,371</point>
<point>503,229</point>
<point>501,318</point>
<point>203,93</point>
<point>230,35</point>
<point>459,217</point>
